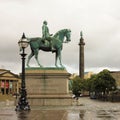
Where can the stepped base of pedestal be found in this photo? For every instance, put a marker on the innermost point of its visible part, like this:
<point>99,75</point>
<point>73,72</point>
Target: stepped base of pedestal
<point>50,100</point>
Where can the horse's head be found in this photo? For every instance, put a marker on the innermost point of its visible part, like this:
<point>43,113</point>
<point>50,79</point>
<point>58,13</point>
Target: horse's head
<point>68,35</point>
<point>63,33</point>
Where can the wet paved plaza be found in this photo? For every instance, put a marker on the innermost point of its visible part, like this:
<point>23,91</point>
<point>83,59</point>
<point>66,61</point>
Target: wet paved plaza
<point>84,109</point>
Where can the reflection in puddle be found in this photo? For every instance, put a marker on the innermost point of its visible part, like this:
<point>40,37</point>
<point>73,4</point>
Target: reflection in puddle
<point>42,115</point>
<point>115,111</point>
<point>82,114</point>
<point>104,114</point>
<point>22,115</point>
<point>73,116</point>
<point>91,110</point>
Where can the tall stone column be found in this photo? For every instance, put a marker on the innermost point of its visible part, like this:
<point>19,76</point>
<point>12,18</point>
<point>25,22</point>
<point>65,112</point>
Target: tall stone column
<point>81,56</point>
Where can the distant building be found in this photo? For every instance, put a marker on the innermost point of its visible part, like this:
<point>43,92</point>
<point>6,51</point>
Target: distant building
<point>9,82</point>
<point>72,76</point>
<point>116,76</point>
<point>86,75</point>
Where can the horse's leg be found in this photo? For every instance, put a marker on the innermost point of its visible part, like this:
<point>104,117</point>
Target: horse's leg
<point>56,59</point>
<point>36,57</point>
<point>59,56</point>
<point>29,57</point>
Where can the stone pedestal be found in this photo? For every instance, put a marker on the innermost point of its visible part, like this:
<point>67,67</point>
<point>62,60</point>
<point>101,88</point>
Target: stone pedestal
<point>47,86</point>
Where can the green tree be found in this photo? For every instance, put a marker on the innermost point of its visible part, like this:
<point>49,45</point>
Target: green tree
<point>103,82</point>
<point>78,85</point>
<point>91,83</point>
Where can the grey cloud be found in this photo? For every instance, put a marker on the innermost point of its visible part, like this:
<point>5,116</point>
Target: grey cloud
<point>99,21</point>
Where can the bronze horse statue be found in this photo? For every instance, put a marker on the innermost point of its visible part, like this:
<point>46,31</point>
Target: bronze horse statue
<point>37,44</point>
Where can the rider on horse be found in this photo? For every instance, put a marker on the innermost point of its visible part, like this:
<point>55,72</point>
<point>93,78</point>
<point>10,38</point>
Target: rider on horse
<point>46,35</point>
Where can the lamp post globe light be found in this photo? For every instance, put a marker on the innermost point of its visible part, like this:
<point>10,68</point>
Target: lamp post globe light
<point>23,102</point>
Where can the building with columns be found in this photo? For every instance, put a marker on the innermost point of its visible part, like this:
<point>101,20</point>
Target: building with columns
<point>9,82</point>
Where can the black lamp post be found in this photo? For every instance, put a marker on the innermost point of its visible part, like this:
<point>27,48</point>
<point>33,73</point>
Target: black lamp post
<point>23,102</point>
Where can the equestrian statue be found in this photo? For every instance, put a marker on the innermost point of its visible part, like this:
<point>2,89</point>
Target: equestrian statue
<point>49,43</point>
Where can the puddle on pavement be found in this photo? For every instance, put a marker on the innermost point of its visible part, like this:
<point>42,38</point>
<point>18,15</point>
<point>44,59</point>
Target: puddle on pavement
<point>87,110</point>
<point>22,115</point>
<point>105,114</point>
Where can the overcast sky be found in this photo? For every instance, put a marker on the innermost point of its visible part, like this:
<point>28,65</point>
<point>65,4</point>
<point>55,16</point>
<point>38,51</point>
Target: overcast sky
<point>98,19</point>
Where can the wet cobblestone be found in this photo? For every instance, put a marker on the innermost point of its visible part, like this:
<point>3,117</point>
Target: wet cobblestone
<point>84,109</point>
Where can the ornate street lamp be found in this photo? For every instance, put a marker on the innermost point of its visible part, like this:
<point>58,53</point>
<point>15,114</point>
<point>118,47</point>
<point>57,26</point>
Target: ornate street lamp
<point>23,102</point>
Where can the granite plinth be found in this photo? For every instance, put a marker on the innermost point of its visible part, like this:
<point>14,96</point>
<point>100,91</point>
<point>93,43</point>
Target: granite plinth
<point>47,86</point>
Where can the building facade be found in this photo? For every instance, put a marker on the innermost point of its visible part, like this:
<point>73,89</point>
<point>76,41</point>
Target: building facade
<point>9,82</point>
<point>116,76</point>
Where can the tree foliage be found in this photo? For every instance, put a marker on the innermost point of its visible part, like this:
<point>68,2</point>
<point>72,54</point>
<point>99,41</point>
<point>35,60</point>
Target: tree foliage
<point>103,82</point>
<point>77,85</point>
